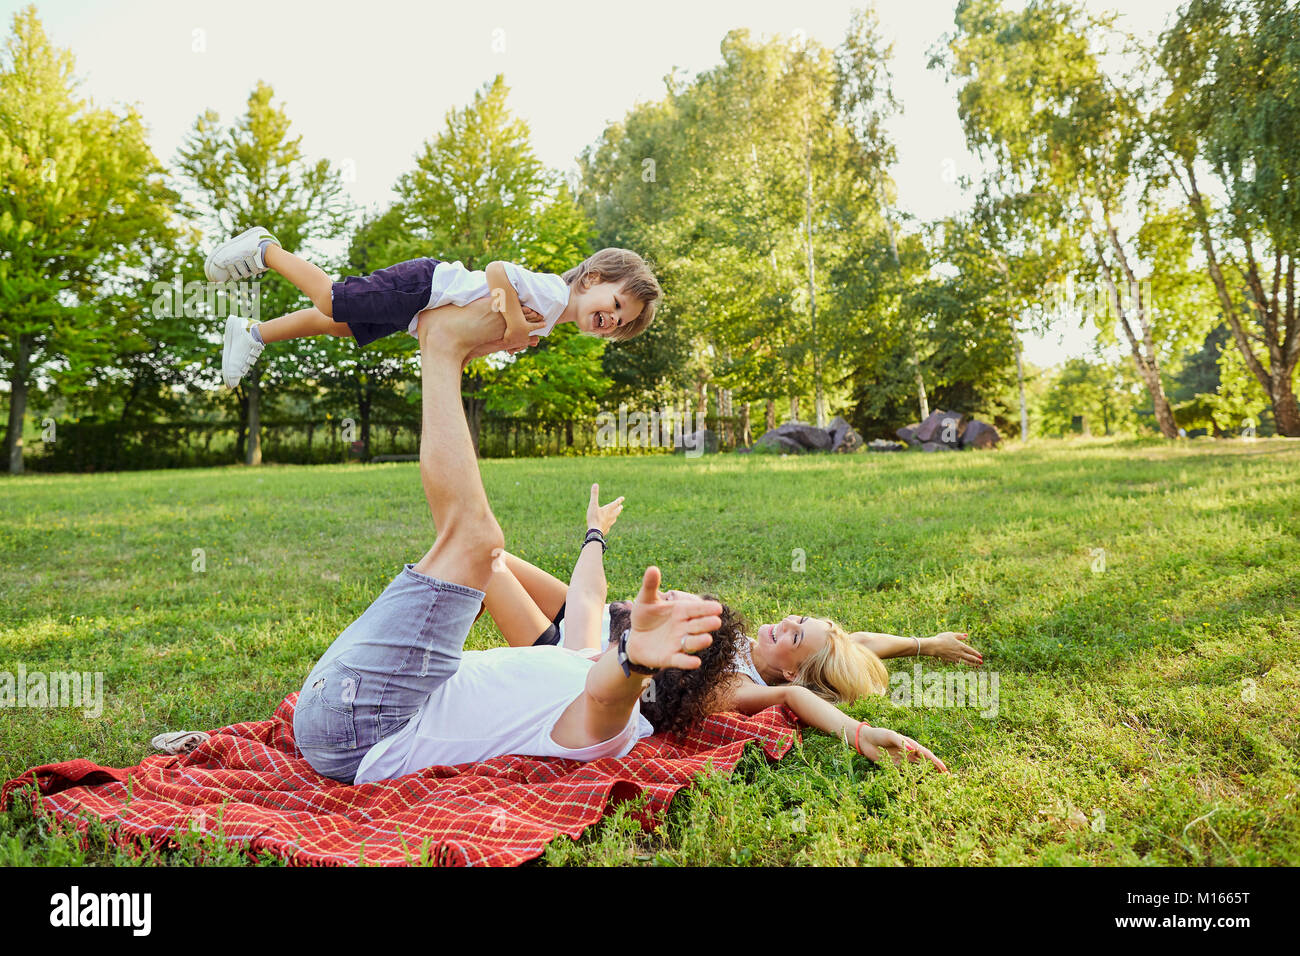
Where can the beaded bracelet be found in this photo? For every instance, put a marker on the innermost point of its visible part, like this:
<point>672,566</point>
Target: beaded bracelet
<point>595,534</point>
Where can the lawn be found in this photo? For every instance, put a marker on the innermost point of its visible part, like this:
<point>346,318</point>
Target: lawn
<point>1136,600</point>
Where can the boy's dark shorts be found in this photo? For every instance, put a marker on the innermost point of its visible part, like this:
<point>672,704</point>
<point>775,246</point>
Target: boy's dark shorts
<point>385,301</point>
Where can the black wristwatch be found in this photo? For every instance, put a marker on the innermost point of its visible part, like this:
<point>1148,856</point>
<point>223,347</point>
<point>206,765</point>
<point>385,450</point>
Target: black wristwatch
<point>626,662</point>
<point>595,534</point>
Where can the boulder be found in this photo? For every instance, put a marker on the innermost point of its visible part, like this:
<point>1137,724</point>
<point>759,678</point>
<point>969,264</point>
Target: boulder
<point>810,437</point>
<point>884,444</point>
<point>946,427</point>
<point>777,442</point>
<point>844,437</point>
<point>979,434</point>
<point>936,446</point>
<point>908,433</point>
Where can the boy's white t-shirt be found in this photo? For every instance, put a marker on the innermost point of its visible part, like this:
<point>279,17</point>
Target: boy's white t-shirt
<point>544,292</point>
<point>506,700</point>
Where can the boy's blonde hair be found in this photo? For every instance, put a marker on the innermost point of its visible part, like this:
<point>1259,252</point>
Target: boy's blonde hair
<point>843,670</point>
<point>633,276</point>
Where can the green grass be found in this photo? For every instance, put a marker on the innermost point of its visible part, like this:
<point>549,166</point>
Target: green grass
<point>1147,713</point>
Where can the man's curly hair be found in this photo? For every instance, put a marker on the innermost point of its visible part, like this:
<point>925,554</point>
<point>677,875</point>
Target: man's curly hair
<point>676,699</point>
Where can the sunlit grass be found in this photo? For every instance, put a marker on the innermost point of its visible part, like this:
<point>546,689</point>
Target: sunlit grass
<point>1147,711</point>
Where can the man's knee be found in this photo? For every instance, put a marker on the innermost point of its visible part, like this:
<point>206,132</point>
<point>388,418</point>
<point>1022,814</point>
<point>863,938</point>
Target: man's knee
<point>468,551</point>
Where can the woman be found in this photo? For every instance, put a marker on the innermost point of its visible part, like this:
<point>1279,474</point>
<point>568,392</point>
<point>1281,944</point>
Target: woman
<point>809,664</point>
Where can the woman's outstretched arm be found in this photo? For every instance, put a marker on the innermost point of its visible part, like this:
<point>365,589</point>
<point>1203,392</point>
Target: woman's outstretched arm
<point>949,646</point>
<point>587,586</point>
<point>747,697</point>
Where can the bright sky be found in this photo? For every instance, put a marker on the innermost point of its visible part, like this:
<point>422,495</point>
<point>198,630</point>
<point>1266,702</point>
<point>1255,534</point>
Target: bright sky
<point>366,83</point>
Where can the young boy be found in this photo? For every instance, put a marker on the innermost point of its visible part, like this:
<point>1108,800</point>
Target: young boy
<point>611,294</point>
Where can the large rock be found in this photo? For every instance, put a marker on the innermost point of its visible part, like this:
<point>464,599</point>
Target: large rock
<point>936,446</point>
<point>908,433</point>
<point>884,444</point>
<point>810,437</point>
<point>844,437</point>
<point>778,442</point>
<point>946,427</point>
<point>979,434</point>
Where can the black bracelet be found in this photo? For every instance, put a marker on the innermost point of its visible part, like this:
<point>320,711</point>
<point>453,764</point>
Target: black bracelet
<point>595,534</point>
<point>626,662</point>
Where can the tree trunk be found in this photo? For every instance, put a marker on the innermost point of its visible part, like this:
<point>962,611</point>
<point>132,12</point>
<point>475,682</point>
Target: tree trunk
<point>794,408</point>
<point>1148,366</point>
<point>1020,380</point>
<point>1286,412</point>
<point>17,406</point>
<point>745,438</point>
<point>254,455</point>
<point>819,397</point>
<point>363,406</point>
<point>473,406</point>
<point>922,399</point>
<point>769,420</point>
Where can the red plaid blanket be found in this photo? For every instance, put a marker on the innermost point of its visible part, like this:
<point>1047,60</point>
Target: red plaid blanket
<point>249,785</point>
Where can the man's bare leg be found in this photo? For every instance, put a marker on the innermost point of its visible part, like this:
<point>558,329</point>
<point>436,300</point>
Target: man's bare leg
<point>469,538</point>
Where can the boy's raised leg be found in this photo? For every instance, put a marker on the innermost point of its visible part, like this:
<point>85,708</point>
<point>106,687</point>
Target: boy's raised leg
<point>300,324</point>
<point>310,279</point>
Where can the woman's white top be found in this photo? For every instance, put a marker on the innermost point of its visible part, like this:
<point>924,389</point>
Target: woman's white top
<point>744,663</point>
<point>544,292</point>
<point>506,700</point>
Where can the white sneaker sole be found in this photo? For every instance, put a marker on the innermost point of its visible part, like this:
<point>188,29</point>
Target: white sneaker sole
<point>234,325</point>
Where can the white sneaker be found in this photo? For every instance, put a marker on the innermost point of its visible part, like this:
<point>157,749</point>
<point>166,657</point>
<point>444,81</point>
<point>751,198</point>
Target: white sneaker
<point>179,741</point>
<point>238,258</point>
<point>240,350</point>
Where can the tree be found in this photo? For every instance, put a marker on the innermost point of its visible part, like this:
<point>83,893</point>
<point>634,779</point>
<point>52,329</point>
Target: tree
<point>82,201</point>
<point>255,174</point>
<point>1036,100</point>
<point>479,193</point>
<point>1232,107</point>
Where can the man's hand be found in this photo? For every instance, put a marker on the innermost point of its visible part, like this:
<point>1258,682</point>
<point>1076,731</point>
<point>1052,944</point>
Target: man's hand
<point>535,320</point>
<point>670,633</point>
<point>602,517</point>
<point>874,740</point>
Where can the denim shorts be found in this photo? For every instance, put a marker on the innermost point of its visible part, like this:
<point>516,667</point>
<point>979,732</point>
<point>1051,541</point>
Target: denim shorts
<point>385,301</point>
<point>381,669</point>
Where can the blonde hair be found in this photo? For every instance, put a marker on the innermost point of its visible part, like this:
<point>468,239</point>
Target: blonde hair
<point>843,670</point>
<point>633,276</point>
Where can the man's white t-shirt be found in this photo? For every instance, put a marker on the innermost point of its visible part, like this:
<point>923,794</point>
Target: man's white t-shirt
<point>506,700</point>
<point>544,292</point>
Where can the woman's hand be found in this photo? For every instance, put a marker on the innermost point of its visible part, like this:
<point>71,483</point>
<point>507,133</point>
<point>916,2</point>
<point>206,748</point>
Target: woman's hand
<point>602,517</point>
<point>952,647</point>
<point>872,740</point>
<point>670,633</point>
